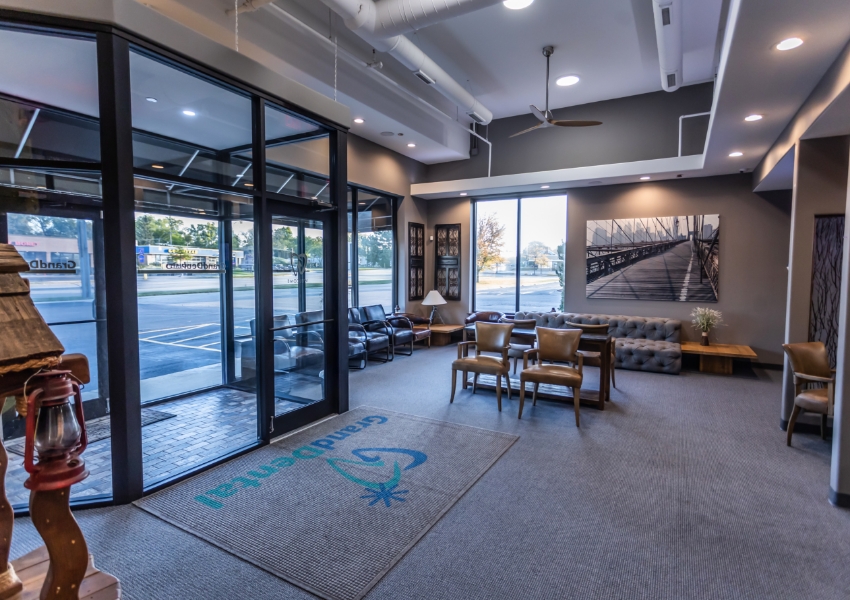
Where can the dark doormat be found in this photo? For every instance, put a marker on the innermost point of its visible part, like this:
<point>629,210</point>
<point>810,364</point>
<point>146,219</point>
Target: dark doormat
<point>99,429</point>
<point>333,507</point>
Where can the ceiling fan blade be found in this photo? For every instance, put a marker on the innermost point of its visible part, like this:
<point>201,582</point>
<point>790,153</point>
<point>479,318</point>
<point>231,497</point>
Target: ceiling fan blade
<point>574,123</point>
<point>538,126</point>
<point>537,113</point>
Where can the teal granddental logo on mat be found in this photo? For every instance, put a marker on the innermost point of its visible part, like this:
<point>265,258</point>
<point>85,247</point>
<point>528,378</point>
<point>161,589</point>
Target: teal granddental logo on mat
<point>385,490</point>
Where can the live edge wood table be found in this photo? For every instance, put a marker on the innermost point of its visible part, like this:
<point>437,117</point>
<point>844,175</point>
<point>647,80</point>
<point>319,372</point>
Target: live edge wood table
<point>32,569</point>
<point>717,358</point>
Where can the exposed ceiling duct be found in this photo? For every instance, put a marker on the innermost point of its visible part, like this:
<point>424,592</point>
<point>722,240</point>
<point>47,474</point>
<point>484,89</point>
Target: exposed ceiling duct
<point>668,35</point>
<point>361,17</point>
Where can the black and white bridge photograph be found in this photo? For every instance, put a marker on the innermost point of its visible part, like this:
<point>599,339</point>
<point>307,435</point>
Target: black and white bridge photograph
<point>655,258</point>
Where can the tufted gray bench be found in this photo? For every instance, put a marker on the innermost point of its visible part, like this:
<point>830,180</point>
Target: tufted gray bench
<point>641,343</point>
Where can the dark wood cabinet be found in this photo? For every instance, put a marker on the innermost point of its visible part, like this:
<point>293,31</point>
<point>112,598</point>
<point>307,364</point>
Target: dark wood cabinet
<point>447,263</point>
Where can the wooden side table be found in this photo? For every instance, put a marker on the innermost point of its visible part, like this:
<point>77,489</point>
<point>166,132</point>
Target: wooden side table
<point>441,335</point>
<point>717,358</point>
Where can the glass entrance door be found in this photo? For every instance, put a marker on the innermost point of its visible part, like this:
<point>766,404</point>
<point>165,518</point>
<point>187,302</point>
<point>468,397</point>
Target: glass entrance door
<point>299,320</point>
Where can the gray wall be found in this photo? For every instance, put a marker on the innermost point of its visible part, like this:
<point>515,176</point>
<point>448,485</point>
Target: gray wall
<point>753,254</point>
<point>636,128</point>
<point>820,188</point>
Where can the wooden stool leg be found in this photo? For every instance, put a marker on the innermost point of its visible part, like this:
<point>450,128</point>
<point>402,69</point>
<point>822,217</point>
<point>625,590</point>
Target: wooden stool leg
<point>10,583</point>
<point>794,414</point>
<point>454,384</point>
<point>576,400</point>
<point>69,555</point>
<point>499,391</point>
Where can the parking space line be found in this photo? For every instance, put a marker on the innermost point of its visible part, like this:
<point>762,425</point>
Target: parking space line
<point>179,345</point>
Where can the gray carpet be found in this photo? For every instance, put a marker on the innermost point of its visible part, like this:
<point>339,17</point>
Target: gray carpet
<point>681,489</point>
<point>347,497</point>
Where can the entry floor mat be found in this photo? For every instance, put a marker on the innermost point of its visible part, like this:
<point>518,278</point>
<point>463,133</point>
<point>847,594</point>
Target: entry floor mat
<point>333,507</point>
<point>100,428</point>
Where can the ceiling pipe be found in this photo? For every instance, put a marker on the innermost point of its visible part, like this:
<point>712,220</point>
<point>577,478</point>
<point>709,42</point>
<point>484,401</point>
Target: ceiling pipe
<point>668,35</point>
<point>248,6</point>
<point>359,16</point>
<point>389,18</point>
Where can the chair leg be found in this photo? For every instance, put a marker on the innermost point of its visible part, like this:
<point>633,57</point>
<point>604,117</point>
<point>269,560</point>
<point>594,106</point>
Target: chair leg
<point>516,360</point>
<point>508,381</point>
<point>454,384</point>
<point>613,360</point>
<point>792,421</point>
<point>475,383</point>
<point>576,399</point>
<point>464,383</point>
<point>499,391</point>
<point>823,427</point>
<point>521,397</point>
<point>534,397</point>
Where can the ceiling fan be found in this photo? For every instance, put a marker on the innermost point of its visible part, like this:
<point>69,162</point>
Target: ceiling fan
<point>545,117</point>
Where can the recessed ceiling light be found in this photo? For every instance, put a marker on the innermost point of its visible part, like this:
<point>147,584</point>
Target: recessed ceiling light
<point>157,166</point>
<point>568,80</point>
<point>358,121</point>
<point>645,178</point>
<point>463,193</point>
<point>249,185</point>
<point>411,145</point>
<point>189,113</point>
<point>517,4</point>
<point>753,118</point>
<point>544,187</point>
<point>736,154</point>
<point>151,99</point>
<point>789,44</point>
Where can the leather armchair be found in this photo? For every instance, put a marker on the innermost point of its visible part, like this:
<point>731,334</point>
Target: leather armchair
<point>519,345</point>
<point>484,316</point>
<point>399,328</point>
<point>356,346</point>
<point>309,343</point>
<point>493,338</point>
<point>423,332</point>
<point>376,341</point>
<point>556,346</point>
<point>810,364</point>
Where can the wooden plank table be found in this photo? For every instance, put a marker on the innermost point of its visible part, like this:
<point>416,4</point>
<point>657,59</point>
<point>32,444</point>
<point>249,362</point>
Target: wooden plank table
<point>441,335</point>
<point>32,569</point>
<point>717,358</point>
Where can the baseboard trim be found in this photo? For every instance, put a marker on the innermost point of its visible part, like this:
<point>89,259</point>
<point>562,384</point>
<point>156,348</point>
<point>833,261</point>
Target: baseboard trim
<point>839,499</point>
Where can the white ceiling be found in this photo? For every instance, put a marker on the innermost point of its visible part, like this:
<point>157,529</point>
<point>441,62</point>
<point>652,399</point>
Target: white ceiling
<point>609,44</point>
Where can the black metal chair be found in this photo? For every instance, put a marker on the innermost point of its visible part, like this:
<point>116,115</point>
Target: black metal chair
<point>399,329</point>
<point>376,340</point>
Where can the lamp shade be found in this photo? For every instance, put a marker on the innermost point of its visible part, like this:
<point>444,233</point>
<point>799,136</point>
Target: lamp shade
<point>433,299</point>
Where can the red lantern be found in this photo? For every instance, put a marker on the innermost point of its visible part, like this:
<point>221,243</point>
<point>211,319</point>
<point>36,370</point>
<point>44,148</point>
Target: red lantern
<point>57,431</point>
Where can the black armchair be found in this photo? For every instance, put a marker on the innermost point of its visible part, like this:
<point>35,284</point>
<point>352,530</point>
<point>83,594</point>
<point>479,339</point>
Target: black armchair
<point>376,340</point>
<point>356,346</point>
<point>399,329</point>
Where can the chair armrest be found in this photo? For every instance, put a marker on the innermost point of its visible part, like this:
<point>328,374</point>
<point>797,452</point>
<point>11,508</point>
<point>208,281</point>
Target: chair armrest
<point>580,362</point>
<point>404,322</point>
<point>814,378</point>
<point>525,356</point>
<point>461,346</point>
<point>378,325</point>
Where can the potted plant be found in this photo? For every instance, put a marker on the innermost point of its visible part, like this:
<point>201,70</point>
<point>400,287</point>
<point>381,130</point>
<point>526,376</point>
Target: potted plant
<point>706,319</point>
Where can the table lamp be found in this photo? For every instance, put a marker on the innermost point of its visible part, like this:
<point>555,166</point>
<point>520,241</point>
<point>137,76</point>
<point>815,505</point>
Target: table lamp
<point>434,299</point>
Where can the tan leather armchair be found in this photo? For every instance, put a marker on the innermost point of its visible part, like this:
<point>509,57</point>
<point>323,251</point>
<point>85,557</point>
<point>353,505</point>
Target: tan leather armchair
<point>810,364</point>
<point>489,337</point>
<point>593,359</point>
<point>554,345</point>
<point>519,345</point>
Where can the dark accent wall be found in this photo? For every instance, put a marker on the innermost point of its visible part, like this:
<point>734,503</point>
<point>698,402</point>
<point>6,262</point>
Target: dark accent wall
<point>642,127</point>
<point>826,282</point>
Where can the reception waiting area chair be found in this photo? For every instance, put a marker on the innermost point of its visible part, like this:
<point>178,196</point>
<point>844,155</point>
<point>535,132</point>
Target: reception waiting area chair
<point>493,338</point>
<point>554,346</point>
<point>810,364</point>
